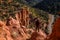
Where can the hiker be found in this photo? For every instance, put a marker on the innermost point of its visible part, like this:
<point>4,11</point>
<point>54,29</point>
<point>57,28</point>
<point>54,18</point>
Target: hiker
<point>37,24</point>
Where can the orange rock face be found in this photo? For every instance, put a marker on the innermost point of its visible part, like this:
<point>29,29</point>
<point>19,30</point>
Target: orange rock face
<point>15,32</point>
<point>56,31</point>
<point>38,35</point>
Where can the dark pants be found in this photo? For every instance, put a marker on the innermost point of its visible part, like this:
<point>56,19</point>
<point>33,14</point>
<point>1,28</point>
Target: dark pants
<point>37,28</point>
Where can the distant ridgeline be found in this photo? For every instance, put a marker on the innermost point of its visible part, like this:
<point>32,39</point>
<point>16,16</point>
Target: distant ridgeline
<point>10,7</point>
<point>51,6</point>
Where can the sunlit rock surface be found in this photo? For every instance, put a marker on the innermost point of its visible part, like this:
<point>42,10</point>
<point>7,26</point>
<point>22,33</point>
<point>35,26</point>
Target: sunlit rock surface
<point>15,32</point>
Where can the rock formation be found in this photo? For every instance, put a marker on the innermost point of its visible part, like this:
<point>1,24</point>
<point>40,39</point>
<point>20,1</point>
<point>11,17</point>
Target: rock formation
<point>55,35</point>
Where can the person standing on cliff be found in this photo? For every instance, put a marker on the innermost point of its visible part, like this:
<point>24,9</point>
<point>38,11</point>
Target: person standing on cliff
<point>37,24</point>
